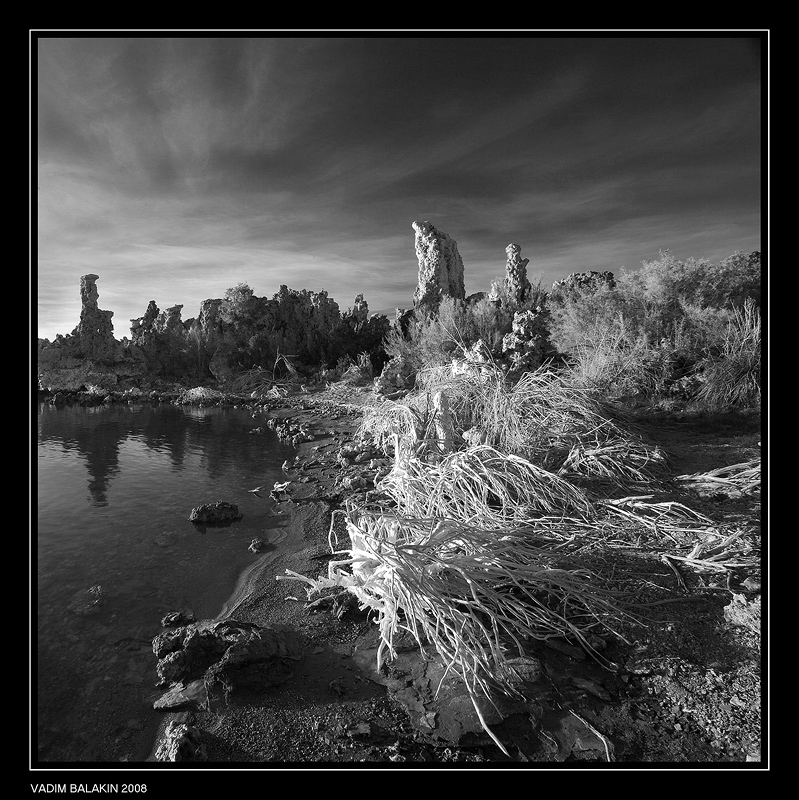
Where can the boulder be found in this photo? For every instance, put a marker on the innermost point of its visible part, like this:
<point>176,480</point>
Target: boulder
<point>231,653</point>
<point>220,511</point>
<point>396,374</point>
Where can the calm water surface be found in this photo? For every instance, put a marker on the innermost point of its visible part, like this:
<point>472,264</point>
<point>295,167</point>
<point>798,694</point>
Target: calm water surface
<point>116,485</point>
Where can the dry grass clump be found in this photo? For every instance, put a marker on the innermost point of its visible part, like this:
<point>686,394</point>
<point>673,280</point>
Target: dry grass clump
<point>666,517</point>
<point>476,594</point>
<point>480,486</point>
<point>732,378</point>
<point>539,418</point>
<point>736,480</point>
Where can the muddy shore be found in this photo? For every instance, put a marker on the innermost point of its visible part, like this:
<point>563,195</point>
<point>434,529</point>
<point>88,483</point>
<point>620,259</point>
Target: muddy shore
<point>685,689</point>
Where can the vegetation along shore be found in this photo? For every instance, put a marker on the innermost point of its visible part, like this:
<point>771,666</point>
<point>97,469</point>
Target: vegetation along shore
<point>523,526</point>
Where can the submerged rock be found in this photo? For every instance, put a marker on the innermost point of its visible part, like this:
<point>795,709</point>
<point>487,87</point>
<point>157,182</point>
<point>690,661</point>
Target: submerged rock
<point>220,511</point>
<point>88,602</point>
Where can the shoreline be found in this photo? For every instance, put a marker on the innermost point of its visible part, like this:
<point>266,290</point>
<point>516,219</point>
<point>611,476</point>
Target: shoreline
<point>335,710</point>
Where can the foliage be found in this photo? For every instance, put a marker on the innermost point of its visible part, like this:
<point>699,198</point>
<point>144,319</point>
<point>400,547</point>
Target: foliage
<point>433,340</point>
<point>541,417</point>
<point>661,331</point>
<point>731,379</point>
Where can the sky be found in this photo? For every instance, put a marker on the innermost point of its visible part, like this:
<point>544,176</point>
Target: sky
<point>176,167</point>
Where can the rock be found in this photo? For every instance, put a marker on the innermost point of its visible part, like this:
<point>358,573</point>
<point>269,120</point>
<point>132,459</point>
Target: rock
<point>168,642</point>
<point>174,618</point>
<point>194,695</point>
<point>95,330</point>
<point>90,355</point>
<point>743,613</point>
<point>445,430</point>
<point>476,361</point>
<point>591,687</point>
<point>172,667</point>
<point>396,374</point>
<point>568,649</point>
<point>517,286</point>
<point>402,320</point>
<point>181,742</point>
<point>576,739</point>
<point>528,345</point>
<point>440,267</point>
<point>438,706</point>
<point>256,545</point>
<point>522,669</point>
<point>87,602</point>
<point>221,511</point>
<point>228,652</point>
<point>358,315</point>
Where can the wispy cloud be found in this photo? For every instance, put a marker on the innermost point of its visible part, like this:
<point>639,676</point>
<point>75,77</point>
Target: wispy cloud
<point>175,168</point>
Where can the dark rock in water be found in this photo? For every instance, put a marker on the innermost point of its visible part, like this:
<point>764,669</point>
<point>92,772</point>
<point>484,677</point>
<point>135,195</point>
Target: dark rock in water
<point>181,742</point>
<point>256,545</point>
<point>175,618</point>
<point>230,653</point>
<point>220,511</point>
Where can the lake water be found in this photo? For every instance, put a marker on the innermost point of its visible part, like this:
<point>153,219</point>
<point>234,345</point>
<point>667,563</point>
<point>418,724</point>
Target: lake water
<point>116,485</point>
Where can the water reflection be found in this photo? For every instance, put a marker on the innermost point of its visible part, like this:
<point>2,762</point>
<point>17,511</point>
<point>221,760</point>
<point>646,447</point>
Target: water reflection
<point>96,434</point>
<point>145,467</point>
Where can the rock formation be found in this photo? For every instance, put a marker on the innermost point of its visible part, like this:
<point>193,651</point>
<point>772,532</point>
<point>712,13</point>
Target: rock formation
<point>95,331</point>
<point>528,345</point>
<point>169,321</point>
<point>358,315</point>
<point>402,320</point>
<point>142,327</point>
<point>517,287</point>
<point>90,355</point>
<point>208,318</point>
<point>440,268</point>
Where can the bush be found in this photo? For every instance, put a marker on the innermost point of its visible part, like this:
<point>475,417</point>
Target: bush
<point>731,380</point>
<point>515,334</point>
<point>658,333</point>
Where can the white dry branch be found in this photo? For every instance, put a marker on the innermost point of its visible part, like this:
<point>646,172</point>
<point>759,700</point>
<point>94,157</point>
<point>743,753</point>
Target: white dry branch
<point>475,594</point>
